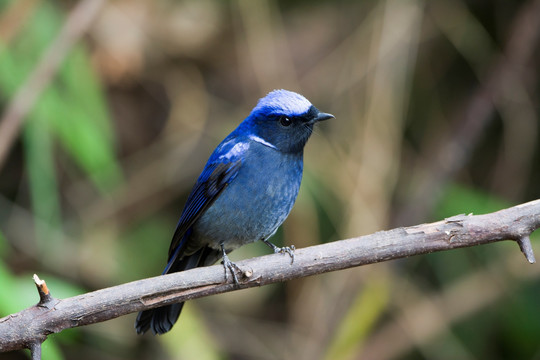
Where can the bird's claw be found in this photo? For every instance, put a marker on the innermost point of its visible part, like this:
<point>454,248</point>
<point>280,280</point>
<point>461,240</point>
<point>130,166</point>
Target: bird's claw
<point>286,250</point>
<point>282,250</point>
<point>228,264</point>
<point>233,268</point>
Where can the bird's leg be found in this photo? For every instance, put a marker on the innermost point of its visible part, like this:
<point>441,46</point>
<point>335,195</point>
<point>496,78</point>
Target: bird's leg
<point>228,264</point>
<point>286,249</point>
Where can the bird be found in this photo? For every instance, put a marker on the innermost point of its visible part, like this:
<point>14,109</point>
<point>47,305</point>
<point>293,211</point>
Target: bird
<point>244,193</point>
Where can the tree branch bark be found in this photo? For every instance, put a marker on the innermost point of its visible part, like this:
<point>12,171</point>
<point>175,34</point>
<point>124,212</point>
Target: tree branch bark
<point>30,327</point>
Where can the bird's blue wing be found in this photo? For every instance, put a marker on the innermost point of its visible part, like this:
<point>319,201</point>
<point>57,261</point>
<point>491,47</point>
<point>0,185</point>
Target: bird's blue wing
<point>216,176</point>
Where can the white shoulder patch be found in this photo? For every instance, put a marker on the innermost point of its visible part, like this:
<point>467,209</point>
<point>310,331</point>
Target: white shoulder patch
<point>236,150</point>
<point>261,141</point>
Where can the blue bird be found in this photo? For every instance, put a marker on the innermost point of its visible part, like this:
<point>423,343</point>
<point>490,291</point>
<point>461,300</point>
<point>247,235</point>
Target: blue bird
<point>244,193</point>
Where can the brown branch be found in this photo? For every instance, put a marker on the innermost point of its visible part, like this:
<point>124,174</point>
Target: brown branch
<point>75,27</point>
<point>30,327</point>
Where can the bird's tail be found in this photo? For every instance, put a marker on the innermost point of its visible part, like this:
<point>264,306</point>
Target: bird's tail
<point>162,319</point>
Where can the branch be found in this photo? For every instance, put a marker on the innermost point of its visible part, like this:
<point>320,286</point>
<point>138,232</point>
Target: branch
<point>30,327</point>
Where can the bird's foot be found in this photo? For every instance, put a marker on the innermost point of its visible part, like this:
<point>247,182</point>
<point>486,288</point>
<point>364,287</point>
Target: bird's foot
<point>282,250</point>
<point>228,264</point>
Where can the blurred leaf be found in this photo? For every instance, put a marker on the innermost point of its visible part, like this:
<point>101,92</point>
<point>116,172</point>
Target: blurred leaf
<point>58,287</point>
<point>78,115</point>
<point>43,184</point>
<point>3,245</point>
<point>73,104</point>
<point>359,320</point>
<point>143,249</point>
<point>9,302</point>
<point>191,340</point>
<point>329,209</point>
<point>520,321</point>
<point>51,351</point>
<point>460,199</point>
<point>71,108</point>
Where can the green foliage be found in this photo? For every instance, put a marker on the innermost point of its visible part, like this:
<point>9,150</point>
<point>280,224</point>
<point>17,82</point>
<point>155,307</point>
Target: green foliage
<point>357,323</point>
<point>136,242</point>
<point>460,199</point>
<point>51,351</point>
<point>72,105</point>
<point>191,340</point>
<point>71,110</point>
<point>3,245</point>
<point>9,303</point>
<point>43,183</point>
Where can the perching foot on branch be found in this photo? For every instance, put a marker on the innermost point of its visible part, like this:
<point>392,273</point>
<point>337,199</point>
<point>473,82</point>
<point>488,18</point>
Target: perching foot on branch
<point>228,264</point>
<point>282,250</point>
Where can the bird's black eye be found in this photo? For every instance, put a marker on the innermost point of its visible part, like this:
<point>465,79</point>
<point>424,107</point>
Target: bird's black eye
<point>285,121</point>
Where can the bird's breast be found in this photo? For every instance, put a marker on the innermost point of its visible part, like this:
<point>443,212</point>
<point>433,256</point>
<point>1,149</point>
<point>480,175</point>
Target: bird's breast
<point>256,203</point>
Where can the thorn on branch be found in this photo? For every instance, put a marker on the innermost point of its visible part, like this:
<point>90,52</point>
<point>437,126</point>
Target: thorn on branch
<point>45,298</point>
<point>524,243</point>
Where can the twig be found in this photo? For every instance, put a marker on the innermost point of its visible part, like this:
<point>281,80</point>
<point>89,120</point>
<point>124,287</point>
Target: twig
<point>35,350</point>
<point>74,28</point>
<point>45,298</point>
<point>45,301</point>
<point>35,323</point>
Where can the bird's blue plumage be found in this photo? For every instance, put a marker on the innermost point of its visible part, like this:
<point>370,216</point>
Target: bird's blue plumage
<point>244,193</point>
<point>280,102</point>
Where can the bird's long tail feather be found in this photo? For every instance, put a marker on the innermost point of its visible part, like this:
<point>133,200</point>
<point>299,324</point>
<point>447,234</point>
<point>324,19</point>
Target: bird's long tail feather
<point>161,320</point>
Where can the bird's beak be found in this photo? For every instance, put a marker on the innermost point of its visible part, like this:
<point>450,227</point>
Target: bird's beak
<point>323,116</point>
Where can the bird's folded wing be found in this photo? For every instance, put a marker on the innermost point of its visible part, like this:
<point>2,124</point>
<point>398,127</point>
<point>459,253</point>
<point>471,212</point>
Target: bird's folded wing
<point>213,180</point>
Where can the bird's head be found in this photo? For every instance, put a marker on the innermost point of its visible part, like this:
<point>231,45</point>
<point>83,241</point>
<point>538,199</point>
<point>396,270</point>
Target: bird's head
<point>284,120</point>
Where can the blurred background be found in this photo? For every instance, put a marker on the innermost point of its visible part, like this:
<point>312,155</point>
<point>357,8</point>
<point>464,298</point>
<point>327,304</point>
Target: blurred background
<point>436,106</point>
